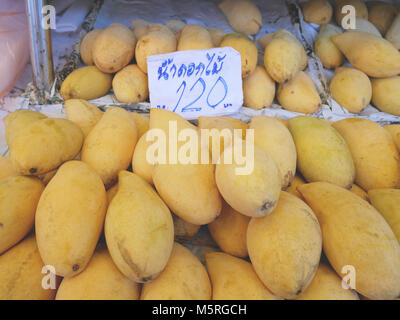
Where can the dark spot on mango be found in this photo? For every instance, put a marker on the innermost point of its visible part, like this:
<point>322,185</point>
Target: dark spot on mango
<point>75,267</point>
<point>32,170</point>
<point>1,225</point>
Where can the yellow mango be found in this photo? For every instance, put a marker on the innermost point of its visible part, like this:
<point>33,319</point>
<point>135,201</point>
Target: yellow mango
<point>322,153</point>
<point>109,146</point>
<point>6,168</point>
<point>387,202</point>
<point>355,235</point>
<point>194,37</point>
<point>394,130</point>
<point>351,88</point>
<point>18,120</point>
<point>285,247</point>
<point>69,218</point>
<point>21,274</point>
<point>44,145</point>
<point>142,121</point>
<point>184,278</point>
<point>189,189</point>
<point>299,94</point>
<point>243,15</point>
<point>83,113</point>
<point>234,279</point>
<point>374,153</point>
<point>184,229</point>
<point>327,285</point>
<point>386,95</point>
<point>101,280</point>
<point>361,9</point>
<point>130,85</point>
<point>360,192</point>
<point>317,11</point>
<point>381,15</point>
<point>86,46</point>
<point>246,48</point>
<point>255,192</point>
<point>139,229</point>
<point>371,54</point>
<point>114,48</point>
<point>271,135</point>
<point>152,43</point>
<point>19,197</point>
<point>330,56</point>
<point>258,89</point>
<point>86,83</point>
<point>229,231</point>
<point>292,189</point>
<point>284,56</point>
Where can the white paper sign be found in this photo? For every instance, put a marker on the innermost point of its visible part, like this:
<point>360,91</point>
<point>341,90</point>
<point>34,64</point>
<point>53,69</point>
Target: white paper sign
<point>196,82</point>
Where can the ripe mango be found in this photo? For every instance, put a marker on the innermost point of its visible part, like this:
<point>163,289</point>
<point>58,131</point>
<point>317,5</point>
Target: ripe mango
<point>327,285</point>
<point>258,89</point>
<point>194,37</point>
<point>299,94</point>
<point>246,48</point>
<point>21,274</point>
<point>374,153</point>
<point>229,231</point>
<point>101,280</point>
<point>44,145</point>
<point>322,153</point>
<point>234,279</point>
<point>114,48</point>
<point>109,146</point>
<point>130,85</point>
<point>243,15</point>
<point>317,11</point>
<point>351,88</point>
<point>86,46</point>
<point>330,56</point>
<point>271,135</point>
<point>139,229</point>
<point>386,95</point>
<point>19,197</point>
<point>285,247</point>
<point>371,54</point>
<point>18,120</point>
<point>184,278</point>
<point>355,235</point>
<point>69,218</point>
<point>254,193</point>
<point>86,83</point>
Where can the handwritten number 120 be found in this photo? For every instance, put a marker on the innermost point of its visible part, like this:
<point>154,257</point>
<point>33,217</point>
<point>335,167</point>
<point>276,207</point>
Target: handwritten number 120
<point>200,82</point>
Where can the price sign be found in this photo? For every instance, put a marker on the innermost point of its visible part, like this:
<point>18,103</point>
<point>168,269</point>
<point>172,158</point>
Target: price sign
<point>196,82</point>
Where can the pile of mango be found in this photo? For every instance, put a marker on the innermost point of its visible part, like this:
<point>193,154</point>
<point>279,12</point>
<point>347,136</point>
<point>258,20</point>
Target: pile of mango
<point>79,196</point>
<point>372,49</point>
<point>117,57</point>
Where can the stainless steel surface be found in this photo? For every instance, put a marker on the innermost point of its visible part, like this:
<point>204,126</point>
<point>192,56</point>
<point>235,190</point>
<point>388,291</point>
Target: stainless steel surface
<point>40,46</point>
